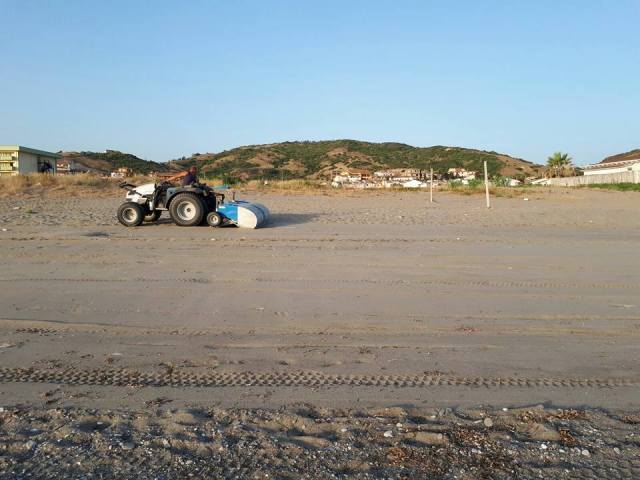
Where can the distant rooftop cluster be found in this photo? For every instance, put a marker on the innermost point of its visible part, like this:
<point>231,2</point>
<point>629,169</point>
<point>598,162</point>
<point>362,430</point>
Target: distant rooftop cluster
<point>397,177</point>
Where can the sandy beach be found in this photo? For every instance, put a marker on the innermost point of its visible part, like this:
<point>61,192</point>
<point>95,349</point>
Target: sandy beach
<point>482,326</point>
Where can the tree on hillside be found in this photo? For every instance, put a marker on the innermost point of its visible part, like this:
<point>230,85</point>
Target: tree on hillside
<point>559,165</point>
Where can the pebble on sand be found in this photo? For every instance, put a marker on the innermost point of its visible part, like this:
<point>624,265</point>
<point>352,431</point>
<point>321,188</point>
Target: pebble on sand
<point>311,441</point>
<point>428,438</point>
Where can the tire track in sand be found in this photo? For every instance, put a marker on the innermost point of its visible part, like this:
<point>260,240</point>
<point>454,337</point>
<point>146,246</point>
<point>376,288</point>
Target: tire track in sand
<point>386,282</point>
<point>123,377</point>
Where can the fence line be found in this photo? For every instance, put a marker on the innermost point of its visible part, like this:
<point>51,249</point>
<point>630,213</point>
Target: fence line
<point>622,177</point>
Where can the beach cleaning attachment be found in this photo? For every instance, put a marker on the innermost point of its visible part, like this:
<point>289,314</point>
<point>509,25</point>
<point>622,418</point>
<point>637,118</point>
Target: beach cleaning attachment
<point>243,214</point>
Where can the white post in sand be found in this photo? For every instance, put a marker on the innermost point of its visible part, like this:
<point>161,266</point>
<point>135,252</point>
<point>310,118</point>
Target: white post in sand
<point>486,184</point>
<point>431,187</point>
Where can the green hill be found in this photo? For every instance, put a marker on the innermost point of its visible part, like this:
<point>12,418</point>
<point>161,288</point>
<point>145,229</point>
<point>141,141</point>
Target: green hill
<point>112,160</point>
<point>320,159</point>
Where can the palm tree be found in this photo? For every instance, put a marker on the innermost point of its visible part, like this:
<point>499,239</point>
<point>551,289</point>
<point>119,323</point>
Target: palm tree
<point>559,165</point>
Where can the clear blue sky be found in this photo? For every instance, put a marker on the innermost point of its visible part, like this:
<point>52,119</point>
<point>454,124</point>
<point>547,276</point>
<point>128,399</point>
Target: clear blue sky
<point>162,79</point>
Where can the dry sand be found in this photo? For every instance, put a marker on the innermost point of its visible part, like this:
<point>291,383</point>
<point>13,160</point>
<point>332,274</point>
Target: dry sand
<point>351,302</point>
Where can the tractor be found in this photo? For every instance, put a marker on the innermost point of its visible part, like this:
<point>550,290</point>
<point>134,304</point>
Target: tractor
<point>188,206</point>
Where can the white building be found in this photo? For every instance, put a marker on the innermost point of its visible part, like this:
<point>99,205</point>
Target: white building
<point>15,159</point>
<point>414,184</point>
<point>352,176</point>
<point>461,173</point>
<point>604,168</point>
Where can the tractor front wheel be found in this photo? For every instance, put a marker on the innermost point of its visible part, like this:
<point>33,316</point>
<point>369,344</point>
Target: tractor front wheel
<point>214,219</point>
<point>130,214</point>
<point>187,210</point>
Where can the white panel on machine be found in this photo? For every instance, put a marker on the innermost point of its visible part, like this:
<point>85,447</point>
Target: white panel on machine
<point>252,215</point>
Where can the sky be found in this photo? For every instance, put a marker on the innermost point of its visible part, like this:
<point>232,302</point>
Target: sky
<point>164,79</point>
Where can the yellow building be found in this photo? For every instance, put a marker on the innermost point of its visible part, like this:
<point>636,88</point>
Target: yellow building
<point>15,159</point>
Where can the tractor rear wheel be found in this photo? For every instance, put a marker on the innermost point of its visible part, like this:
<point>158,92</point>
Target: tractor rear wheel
<point>187,210</point>
<point>130,214</point>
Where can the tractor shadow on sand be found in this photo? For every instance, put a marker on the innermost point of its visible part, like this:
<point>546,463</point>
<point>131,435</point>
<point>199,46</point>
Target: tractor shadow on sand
<point>288,219</point>
<point>161,221</point>
<point>276,220</point>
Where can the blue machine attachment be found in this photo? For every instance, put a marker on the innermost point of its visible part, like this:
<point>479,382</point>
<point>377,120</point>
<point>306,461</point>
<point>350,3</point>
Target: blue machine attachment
<point>244,214</point>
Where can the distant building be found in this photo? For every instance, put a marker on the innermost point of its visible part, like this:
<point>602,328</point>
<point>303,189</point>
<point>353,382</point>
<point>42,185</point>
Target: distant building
<point>64,167</point>
<point>461,173</point>
<point>401,174</point>
<point>352,175</point>
<point>15,159</point>
<point>414,184</point>
<point>606,167</point>
<point>121,172</point>
<point>69,166</point>
<point>357,174</point>
<point>394,177</point>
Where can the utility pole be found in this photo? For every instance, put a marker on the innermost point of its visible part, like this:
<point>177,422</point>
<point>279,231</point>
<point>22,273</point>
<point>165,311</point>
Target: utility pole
<point>486,184</point>
<point>431,187</point>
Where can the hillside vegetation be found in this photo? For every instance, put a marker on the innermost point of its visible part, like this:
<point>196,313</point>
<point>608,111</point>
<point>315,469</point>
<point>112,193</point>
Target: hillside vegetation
<point>319,159</point>
<point>112,160</point>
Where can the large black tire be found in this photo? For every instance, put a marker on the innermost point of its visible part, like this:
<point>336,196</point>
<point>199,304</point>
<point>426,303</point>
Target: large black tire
<point>130,214</point>
<point>153,216</point>
<point>187,210</point>
<point>214,219</point>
